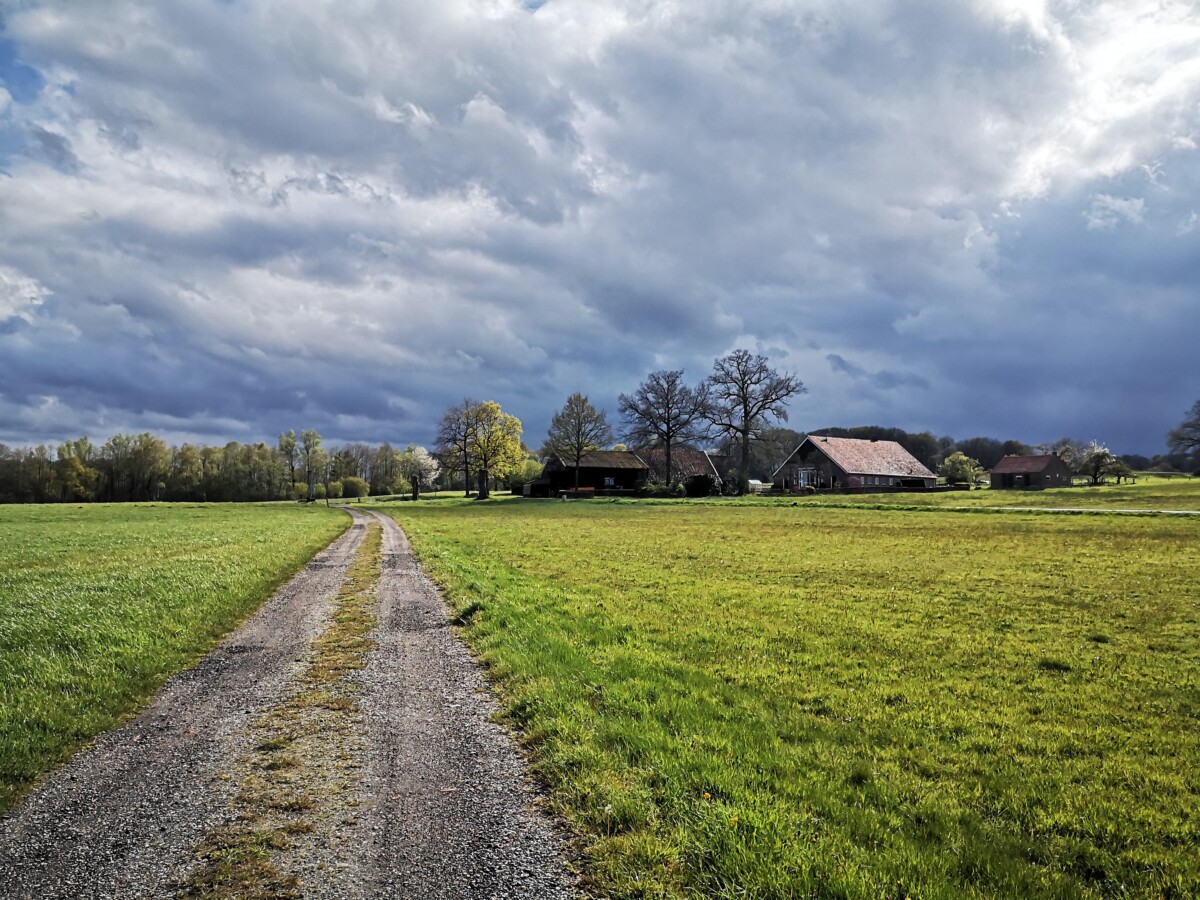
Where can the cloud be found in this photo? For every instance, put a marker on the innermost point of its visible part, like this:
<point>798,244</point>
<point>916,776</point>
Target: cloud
<point>1108,212</point>
<point>248,217</point>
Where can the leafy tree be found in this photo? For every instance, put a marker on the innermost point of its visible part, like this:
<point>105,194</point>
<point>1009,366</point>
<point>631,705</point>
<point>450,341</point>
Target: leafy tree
<point>1185,437</point>
<point>385,469</point>
<point>287,450</point>
<point>74,478</point>
<point>746,395</point>
<point>314,458</point>
<point>985,450</point>
<point>576,430</point>
<point>456,436</point>
<point>958,468</point>
<point>664,412</point>
<point>495,448</point>
<point>419,468</point>
<point>1095,462</point>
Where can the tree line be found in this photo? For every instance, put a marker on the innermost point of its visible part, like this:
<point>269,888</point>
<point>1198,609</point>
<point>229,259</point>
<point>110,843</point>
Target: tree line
<point>144,467</point>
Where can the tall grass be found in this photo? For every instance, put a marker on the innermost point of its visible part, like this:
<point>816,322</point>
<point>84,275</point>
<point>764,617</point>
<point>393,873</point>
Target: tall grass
<point>100,603</point>
<point>768,701</point>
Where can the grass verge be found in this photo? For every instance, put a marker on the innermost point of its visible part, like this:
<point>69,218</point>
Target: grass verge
<point>100,603</point>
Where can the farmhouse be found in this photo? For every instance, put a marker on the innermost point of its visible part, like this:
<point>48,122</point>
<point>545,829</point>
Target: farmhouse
<point>609,471</point>
<point>1017,472</point>
<point>826,463</point>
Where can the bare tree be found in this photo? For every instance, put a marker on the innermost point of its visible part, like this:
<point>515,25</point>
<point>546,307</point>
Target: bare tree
<point>456,437</point>
<point>747,394</point>
<point>576,430</point>
<point>1186,436</point>
<point>664,411</point>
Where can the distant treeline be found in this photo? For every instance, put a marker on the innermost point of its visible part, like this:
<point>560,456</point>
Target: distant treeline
<point>144,467</point>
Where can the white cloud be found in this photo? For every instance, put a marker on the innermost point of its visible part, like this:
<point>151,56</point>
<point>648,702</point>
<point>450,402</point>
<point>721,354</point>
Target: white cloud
<point>1108,212</point>
<point>19,295</point>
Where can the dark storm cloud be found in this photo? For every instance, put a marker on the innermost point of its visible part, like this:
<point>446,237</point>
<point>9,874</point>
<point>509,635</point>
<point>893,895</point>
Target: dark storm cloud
<point>233,219</point>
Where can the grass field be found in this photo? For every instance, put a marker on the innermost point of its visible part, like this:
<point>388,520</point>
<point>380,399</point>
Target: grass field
<point>99,603</point>
<point>760,700</point>
<point>1149,493</point>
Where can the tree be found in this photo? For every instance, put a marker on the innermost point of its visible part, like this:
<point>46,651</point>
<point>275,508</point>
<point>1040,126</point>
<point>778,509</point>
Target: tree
<point>74,478</point>
<point>958,468</point>
<point>456,436</point>
<point>985,450</point>
<point>1095,462</point>
<point>664,412</point>
<point>495,448</point>
<point>314,461</point>
<point>418,467</point>
<point>576,430</point>
<point>287,449</point>
<point>746,395</point>
<point>1185,437</point>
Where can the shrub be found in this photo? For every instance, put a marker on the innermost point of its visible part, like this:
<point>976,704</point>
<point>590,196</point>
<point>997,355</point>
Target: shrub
<point>335,490</point>
<point>353,486</point>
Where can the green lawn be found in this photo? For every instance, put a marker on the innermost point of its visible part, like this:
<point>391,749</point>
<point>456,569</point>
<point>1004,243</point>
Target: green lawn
<point>100,603</point>
<point>764,700</point>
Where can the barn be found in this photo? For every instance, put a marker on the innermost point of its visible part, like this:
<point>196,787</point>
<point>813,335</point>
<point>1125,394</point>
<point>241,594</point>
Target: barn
<point>829,463</point>
<point>600,472</point>
<point>1024,472</point>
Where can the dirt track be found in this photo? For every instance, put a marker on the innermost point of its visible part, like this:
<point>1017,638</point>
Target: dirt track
<point>437,805</point>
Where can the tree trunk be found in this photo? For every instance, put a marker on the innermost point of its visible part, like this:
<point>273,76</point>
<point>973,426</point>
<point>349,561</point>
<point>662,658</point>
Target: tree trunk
<point>744,474</point>
<point>484,492</point>
<point>577,475</point>
<point>416,486</point>
<point>667,449</point>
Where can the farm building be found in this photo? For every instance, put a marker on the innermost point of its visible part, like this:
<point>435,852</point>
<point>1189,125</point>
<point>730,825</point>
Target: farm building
<point>1019,472</point>
<point>687,464</point>
<point>827,463</point>
<point>601,471</point>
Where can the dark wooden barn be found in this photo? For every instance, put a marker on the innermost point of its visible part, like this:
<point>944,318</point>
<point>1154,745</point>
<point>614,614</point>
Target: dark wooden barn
<point>1037,472</point>
<point>687,464</point>
<point>829,463</point>
<point>600,472</point>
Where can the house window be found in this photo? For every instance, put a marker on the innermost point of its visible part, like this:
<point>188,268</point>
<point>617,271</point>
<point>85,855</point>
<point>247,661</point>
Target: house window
<point>608,482</point>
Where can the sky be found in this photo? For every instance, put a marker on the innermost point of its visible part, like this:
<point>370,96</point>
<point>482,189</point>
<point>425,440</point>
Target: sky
<point>221,219</point>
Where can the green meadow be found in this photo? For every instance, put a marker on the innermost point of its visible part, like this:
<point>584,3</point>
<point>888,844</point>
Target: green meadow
<point>761,699</point>
<point>100,603</point>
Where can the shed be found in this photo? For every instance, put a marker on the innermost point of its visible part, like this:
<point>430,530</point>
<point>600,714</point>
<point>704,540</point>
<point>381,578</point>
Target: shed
<point>601,471</point>
<point>827,463</point>
<point>1037,472</point>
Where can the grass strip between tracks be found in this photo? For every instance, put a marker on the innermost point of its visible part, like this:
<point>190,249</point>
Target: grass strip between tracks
<point>299,780</point>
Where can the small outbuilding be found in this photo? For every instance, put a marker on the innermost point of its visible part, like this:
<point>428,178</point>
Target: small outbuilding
<point>837,463</point>
<point>1036,472</point>
<point>600,472</point>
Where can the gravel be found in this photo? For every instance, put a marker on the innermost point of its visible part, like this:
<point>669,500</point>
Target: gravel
<point>441,808</point>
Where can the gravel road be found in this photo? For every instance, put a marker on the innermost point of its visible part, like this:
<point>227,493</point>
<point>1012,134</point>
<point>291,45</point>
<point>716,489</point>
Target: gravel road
<point>439,806</point>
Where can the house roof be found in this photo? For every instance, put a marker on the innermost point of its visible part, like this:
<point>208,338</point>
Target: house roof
<point>606,459</point>
<point>685,461</point>
<point>1023,465</point>
<point>856,456</point>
